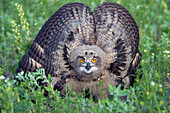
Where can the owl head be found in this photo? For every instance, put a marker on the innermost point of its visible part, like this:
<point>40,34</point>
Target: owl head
<point>88,62</point>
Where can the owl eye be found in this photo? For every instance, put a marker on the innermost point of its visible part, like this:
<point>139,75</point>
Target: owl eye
<point>82,60</point>
<point>93,60</point>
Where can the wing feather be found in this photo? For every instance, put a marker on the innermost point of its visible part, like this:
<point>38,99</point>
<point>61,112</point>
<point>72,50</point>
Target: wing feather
<point>118,35</point>
<point>110,27</point>
<point>70,26</point>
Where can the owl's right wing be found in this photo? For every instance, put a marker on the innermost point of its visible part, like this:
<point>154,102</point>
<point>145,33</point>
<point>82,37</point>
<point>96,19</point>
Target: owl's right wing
<point>69,27</point>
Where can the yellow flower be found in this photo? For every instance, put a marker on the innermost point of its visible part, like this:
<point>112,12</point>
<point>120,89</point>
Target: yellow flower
<point>143,61</point>
<point>119,1</point>
<point>18,99</point>
<point>138,7</point>
<point>147,92</point>
<point>161,102</point>
<point>18,48</point>
<point>8,89</point>
<point>160,89</point>
<point>16,4</point>
<point>165,6</point>
<point>141,102</point>
<point>145,50</point>
<point>164,55</point>
<point>27,33</point>
<point>24,27</point>
<point>137,54</point>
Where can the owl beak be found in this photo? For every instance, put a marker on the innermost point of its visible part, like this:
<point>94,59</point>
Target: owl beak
<point>88,66</point>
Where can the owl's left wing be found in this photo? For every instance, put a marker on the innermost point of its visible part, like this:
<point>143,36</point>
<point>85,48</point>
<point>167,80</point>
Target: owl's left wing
<point>117,34</point>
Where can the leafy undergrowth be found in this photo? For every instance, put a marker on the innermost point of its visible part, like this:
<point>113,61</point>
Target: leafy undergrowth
<point>28,96</point>
<point>20,21</point>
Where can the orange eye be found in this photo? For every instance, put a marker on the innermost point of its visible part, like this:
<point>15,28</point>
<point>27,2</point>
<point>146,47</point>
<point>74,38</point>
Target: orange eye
<point>82,60</point>
<point>93,60</point>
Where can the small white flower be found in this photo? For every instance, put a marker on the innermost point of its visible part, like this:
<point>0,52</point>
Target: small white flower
<point>2,77</point>
<point>166,51</point>
<point>152,83</point>
<point>153,54</point>
<point>9,84</point>
<point>6,79</point>
<point>143,60</point>
<point>160,85</point>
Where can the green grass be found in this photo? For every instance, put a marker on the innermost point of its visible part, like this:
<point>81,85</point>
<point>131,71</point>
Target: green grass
<point>20,21</point>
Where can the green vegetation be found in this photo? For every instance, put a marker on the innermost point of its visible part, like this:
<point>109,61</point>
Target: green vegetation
<point>20,21</point>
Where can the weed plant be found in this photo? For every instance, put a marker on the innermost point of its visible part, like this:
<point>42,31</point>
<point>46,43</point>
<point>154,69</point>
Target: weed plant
<point>20,21</point>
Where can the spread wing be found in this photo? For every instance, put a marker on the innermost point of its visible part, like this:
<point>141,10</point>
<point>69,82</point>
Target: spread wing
<point>110,27</point>
<point>71,26</point>
<point>118,35</point>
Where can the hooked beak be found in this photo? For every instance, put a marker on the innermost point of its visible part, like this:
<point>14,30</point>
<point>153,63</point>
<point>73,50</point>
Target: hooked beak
<point>88,66</point>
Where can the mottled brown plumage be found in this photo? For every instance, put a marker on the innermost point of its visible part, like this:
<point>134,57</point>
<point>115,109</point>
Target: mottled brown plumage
<point>105,41</point>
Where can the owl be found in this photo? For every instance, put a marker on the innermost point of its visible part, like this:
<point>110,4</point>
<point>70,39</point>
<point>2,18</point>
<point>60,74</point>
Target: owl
<point>81,48</point>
